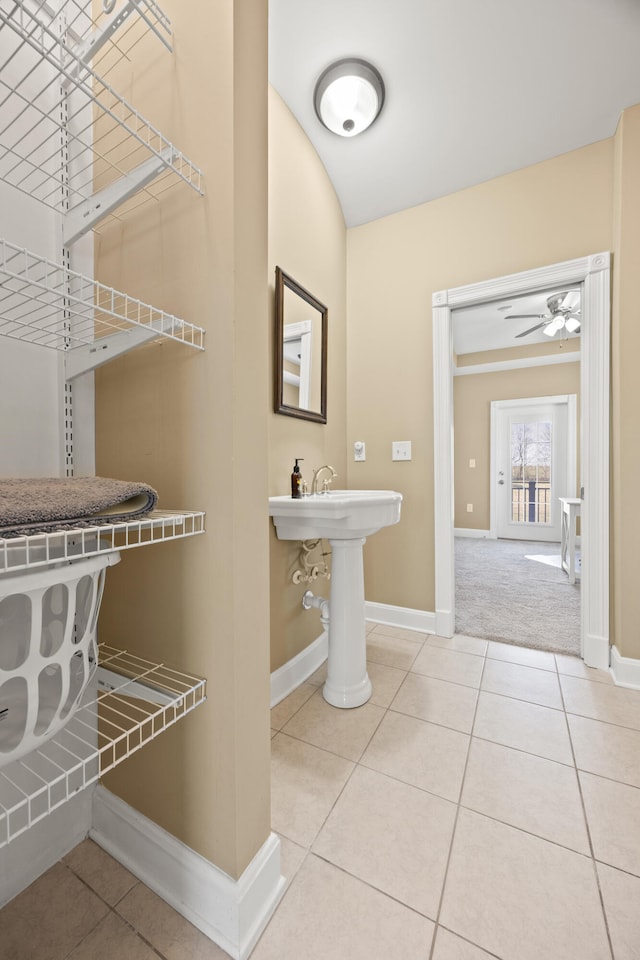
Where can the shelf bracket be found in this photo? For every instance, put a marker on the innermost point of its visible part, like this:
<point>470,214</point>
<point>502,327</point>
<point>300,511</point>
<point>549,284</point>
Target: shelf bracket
<point>89,356</point>
<point>86,51</point>
<point>83,217</point>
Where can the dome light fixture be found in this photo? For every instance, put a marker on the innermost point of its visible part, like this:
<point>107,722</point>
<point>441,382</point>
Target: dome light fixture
<point>348,96</point>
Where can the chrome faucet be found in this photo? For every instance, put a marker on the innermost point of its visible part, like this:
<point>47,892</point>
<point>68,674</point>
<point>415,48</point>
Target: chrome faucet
<point>327,481</point>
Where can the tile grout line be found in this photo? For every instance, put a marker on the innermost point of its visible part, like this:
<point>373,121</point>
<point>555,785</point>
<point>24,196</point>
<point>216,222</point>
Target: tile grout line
<point>390,709</point>
<point>308,851</point>
<point>457,816</point>
<point>95,894</point>
<point>137,933</point>
<point>586,822</point>
<point>356,764</point>
<point>111,909</point>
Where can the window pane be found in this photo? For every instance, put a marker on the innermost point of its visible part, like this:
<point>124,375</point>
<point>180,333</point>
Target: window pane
<point>531,472</point>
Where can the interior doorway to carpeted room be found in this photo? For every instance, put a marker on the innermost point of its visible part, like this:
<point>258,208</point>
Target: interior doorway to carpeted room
<point>516,591</point>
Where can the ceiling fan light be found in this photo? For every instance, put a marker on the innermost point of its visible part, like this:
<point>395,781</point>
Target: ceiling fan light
<point>552,328</point>
<point>572,324</point>
<point>348,97</point>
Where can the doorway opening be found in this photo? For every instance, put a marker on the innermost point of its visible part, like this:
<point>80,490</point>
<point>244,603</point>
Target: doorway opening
<point>510,584</point>
<point>591,275</point>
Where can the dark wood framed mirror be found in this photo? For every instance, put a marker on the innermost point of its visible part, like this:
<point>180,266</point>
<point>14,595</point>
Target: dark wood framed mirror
<point>300,352</point>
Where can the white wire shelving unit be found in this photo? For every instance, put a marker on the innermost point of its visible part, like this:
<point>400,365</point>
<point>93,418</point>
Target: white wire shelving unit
<point>133,701</point>
<point>113,158</point>
<point>60,546</point>
<point>70,142</point>
<point>48,304</point>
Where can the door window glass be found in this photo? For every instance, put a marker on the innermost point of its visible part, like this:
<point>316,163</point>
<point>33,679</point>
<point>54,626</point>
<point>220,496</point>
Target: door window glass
<point>531,472</point>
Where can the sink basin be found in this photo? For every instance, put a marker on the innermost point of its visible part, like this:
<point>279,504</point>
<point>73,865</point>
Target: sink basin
<point>337,515</point>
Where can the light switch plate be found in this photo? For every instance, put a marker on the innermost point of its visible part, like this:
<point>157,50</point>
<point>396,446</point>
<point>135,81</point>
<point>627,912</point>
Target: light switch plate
<point>401,450</point>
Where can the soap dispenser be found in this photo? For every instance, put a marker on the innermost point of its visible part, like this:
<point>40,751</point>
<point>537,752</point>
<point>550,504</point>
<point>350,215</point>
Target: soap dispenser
<point>296,481</point>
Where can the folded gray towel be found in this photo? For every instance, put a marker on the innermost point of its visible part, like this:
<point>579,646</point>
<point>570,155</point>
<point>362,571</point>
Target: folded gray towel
<point>30,505</point>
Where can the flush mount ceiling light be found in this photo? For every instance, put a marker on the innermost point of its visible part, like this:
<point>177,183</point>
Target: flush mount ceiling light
<point>349,96</point>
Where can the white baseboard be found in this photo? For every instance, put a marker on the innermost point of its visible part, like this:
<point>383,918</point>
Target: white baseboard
<point>625,670</point>
<point>291,674</point>
<point>32,853</point>
<point>421,620</point>
<point>232,913</point>
<point>475,534</point>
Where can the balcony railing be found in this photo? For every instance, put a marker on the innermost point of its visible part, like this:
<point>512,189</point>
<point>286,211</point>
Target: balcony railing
<point>530,501</point>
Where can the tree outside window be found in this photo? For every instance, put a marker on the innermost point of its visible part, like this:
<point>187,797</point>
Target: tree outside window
<point>531,471</point>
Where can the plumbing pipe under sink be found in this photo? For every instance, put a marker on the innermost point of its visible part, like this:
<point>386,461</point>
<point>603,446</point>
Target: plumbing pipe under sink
<point>310,600</point>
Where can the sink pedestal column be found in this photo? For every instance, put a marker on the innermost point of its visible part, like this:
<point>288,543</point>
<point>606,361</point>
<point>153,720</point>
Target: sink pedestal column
<point>347,683</point>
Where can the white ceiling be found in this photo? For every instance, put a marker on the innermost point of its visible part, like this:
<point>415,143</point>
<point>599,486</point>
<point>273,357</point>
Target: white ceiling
<point>485,326</point>
<point>474,89</point>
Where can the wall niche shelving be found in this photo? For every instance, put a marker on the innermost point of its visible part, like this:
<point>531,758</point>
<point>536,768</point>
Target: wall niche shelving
<point>73,148</point>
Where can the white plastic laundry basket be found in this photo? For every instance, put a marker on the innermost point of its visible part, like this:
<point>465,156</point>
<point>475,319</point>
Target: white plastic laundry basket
<point>47,648</point>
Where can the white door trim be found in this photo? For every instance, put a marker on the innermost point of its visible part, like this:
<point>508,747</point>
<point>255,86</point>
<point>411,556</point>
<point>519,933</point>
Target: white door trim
<point>594,273</point>
<point>572,466</point>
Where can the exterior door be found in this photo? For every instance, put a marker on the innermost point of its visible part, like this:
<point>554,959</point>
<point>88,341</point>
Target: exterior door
<point>534,459</point>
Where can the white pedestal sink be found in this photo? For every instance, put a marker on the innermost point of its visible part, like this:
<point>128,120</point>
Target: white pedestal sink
<point>344,518</point>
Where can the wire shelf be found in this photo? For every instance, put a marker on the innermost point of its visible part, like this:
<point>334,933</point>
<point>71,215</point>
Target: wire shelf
<point>66,136</point>
<point>119,24</point>
<point>92,32</point>
<point>88,540</point>
<point>46,303</point>
<point>133,702</point>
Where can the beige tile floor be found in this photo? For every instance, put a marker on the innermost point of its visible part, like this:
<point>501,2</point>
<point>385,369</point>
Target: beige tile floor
<point>484,804</point>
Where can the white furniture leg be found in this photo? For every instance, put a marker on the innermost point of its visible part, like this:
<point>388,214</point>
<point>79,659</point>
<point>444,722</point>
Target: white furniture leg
<point>570,511</point>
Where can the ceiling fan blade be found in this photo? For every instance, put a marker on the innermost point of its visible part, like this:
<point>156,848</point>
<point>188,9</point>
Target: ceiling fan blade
<point>572,301</point>
<point>525,316</point>
<point>531,329</point>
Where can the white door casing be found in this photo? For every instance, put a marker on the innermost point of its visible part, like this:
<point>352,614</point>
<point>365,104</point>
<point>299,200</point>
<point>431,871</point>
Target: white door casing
<point>560,411</point>
<point>296,346</point>
<point>594,274</point>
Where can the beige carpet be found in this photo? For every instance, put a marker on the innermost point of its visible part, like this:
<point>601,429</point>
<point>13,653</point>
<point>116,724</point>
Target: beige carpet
<point>504,591</point>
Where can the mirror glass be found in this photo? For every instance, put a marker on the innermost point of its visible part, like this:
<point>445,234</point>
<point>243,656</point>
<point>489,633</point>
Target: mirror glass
<point>300,352</point>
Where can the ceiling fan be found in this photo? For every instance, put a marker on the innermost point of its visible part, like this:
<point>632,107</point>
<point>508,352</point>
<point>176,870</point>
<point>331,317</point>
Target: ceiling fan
<point>564,313</point>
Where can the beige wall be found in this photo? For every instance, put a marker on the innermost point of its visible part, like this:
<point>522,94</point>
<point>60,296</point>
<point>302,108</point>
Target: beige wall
<point>625,389</point>
<point>307,238</point>
<point>195,426</point>
<point>472,396</point>
<point>554,211</point>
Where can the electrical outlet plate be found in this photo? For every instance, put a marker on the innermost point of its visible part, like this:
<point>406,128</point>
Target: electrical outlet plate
<point>401,450</point>
<point>359,450</point>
